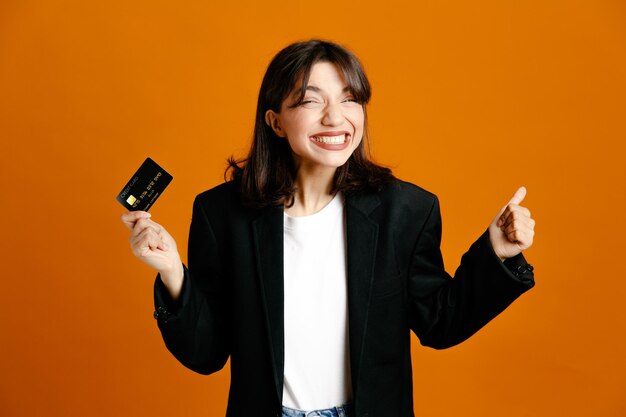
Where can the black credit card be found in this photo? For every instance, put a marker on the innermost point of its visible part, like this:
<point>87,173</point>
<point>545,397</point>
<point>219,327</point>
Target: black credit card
<point>145,186</point>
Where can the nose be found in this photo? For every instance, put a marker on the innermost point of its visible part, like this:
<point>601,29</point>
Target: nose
<point>333,115</point>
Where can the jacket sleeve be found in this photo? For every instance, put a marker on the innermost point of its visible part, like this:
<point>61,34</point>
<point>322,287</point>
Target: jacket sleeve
<point>195,327</point>
<point>444,311</point>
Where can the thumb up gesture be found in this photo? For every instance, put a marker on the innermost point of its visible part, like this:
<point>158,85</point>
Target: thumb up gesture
<point>512,230</point>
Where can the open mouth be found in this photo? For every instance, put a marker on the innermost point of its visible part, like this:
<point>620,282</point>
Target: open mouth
<point>331,140</point>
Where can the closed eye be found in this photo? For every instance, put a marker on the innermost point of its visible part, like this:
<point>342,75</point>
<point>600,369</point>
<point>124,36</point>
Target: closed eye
<point>309,100</point>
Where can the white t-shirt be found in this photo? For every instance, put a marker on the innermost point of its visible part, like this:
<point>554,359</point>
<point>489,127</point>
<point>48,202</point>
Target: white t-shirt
<point>317,357</point>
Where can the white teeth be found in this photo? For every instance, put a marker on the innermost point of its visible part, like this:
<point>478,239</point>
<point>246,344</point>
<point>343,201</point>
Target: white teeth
<point>333,140</point>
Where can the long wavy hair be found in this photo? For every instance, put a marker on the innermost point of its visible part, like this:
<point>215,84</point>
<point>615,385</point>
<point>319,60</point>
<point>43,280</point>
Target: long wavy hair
<point>267,175</point>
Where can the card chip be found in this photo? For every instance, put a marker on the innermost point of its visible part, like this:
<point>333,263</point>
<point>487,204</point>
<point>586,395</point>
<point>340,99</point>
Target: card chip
<point>131,200</point>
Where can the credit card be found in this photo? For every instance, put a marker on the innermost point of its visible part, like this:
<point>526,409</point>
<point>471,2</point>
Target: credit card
<point>144,187</point>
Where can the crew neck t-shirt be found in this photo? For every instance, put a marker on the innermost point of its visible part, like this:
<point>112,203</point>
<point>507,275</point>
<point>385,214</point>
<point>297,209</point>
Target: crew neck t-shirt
<point>317,361</point>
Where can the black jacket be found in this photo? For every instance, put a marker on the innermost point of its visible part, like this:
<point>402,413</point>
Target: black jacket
<point>232,298</point>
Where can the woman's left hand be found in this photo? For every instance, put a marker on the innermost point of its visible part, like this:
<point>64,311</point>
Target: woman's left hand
<point>512,230</point>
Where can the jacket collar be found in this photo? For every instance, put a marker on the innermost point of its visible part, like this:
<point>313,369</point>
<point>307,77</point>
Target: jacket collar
<point>361,236</point>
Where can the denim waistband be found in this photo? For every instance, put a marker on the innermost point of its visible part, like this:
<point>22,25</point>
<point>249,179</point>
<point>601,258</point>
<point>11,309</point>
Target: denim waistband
<point>341,411</point>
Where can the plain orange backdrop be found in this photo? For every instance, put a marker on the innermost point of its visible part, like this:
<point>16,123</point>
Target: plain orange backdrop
<point>471,100</point>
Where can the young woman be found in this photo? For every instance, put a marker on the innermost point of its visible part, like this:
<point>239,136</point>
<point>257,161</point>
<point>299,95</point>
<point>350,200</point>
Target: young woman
<point>312,265</point>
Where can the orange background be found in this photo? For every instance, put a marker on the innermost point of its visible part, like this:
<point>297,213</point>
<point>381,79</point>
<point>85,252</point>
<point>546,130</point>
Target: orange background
<point>471,100</point>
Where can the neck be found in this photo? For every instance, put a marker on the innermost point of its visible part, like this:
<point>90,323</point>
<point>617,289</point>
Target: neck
<point>313,186</point>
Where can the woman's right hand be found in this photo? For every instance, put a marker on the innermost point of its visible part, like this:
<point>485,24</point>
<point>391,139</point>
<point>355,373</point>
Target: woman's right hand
<point>154,246</point>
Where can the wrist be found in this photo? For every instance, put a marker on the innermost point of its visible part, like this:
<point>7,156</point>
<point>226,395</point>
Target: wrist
<point>173,277</point>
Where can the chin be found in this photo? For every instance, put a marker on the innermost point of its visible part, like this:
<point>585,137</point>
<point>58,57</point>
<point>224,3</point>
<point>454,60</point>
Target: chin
<point>335,162</point>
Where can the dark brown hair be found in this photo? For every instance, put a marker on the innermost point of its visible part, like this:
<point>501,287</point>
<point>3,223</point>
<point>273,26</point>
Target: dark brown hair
<point>268,173</point>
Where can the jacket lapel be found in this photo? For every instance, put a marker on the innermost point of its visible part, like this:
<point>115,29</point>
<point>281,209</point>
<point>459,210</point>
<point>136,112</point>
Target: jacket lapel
<point>362,238</point>
<point>268,240</point>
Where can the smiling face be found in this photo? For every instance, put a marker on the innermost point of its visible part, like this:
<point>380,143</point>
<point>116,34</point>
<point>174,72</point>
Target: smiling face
<point>326,126</point>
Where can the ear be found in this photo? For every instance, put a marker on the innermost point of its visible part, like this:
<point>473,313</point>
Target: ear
<point>272,120</point>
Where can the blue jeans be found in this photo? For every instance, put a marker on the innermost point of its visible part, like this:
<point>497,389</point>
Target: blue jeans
<point>343,411</point>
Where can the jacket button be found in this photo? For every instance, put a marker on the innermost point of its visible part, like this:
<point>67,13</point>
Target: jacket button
<point>162,314</point>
